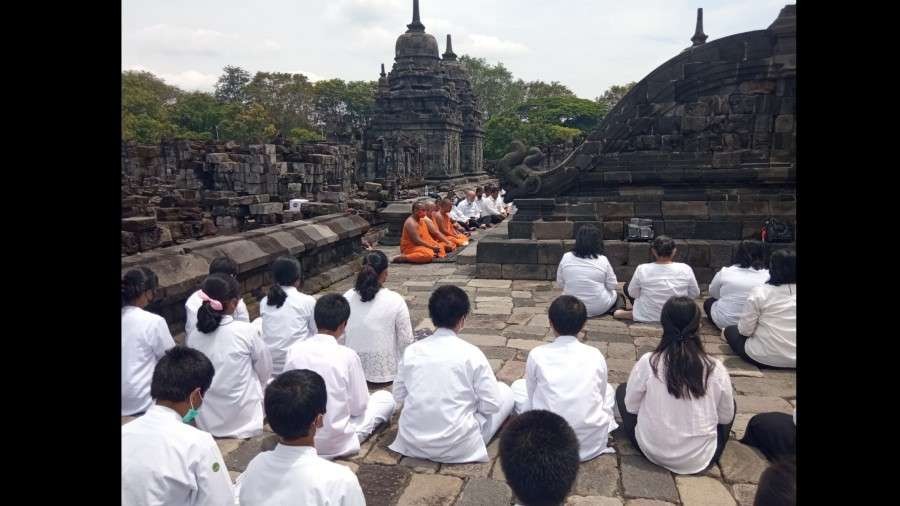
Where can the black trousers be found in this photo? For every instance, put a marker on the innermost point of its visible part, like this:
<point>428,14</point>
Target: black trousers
<point>629,422</point>
<point>619,304</point>
<point>625,290</point>
<point>773,433</point>
<point>707,308</point>
<point>737,341</point>
<point>493,219</point>
<point>472,223</point>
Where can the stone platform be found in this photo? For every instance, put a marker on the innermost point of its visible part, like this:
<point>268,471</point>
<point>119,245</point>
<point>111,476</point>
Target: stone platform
<point>508,319</point>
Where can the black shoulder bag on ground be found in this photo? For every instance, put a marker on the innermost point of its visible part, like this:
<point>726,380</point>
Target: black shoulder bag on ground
<point>777,231</point>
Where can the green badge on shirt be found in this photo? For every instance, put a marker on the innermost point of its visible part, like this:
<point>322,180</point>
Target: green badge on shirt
<point>216,467</point>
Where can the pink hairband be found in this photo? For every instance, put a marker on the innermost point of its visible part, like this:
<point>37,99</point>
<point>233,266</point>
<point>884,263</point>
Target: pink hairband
<point>212,302</point>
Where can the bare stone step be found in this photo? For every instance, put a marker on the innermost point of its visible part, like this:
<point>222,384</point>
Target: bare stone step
<point>490,283</point>
<point>524,344</point>
<point>380,453</point>
<point>610,337</point>
<point>426,323</point>
<point>422,466</point>
<point>643,479</point>
<point>238,459</point>
<point>647,502</point>
<point>703,491</point>
<point>598,477</point>
<point>519,318</point>
<point>744,493</point>
<point>524,332</point>
<point>603,347</point>
<point>529,310</point>
<point>739,367</point>
<point>497,472</point>
<point>621,351</point>
<point>504,300</point>
<point>511,371</point>
<point>741,463</point>
<point>430,490</point>
<point>594,500</point>
<point>778,387</point>
<point>493,310</point>
<point>521,294</point>
<point>645,330</point>
<point>484,340</point>
<point>496,364</point>
<point>607,324</point>
<point>382,485</point>
<point>496,352</point>
<point>755,404</point>
<point>540,320</point>
<point>469,470</point>
<point>739,427</point>
<point>228,445</point>
<point>483,492</point>
<point>353,466</point>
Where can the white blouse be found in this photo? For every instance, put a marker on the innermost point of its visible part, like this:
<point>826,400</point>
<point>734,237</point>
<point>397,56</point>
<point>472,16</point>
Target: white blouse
<point>591,280</point>
<point>654,284</point>
<point>379,330</point>
<point>285,325</point>
<point>569,378</point>
<point>233,405</point>
<point>770,323</point>
<point>192,305</point>
<point>731,286</point>
<point>442,382</point>
<point>678,434</point>
<point>297,475</point>
<point>145,339</point>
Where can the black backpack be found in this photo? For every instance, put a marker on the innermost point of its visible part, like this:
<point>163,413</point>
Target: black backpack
<point>777,231</point>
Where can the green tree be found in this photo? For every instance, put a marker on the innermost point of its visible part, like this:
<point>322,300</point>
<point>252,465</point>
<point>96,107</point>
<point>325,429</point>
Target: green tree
<point>343,107</point>
<point>494,85</point>
<point>250,123</point>
<point>145,103</point>
<point>540,89</point>
<point>566,111</point>
<point>230,88</point>
<point>287,98</point>
<point>303,135</point>
<point>615,93</point>
<point>197,115</point>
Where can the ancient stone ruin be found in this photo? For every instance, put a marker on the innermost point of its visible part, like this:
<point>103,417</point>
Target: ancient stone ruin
<point>704,146</point>
<point>425,111</point>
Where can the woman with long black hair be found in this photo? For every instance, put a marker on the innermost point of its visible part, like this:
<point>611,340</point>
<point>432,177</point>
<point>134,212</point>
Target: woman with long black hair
<point>678,405</point>
<point>587,275</point>
<point>286,312</point>
<point>729,288</point>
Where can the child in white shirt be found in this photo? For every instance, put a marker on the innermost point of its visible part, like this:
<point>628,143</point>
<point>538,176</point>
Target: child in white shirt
<point>654,283</point>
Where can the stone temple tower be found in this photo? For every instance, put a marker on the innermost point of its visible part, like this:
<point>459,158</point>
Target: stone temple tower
<point>426,123</point>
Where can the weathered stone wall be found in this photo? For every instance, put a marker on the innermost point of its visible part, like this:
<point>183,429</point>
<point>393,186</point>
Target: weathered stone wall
<point>325,246</point>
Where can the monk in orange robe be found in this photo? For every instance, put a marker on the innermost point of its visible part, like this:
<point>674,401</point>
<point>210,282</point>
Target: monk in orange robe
<point>434,231</point>
<point>416,244</point>
<point>447,226</point>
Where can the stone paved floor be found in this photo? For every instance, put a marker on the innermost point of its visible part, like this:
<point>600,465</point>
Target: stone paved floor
<point>509,319</point>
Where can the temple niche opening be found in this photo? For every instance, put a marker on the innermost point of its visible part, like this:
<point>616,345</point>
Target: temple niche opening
<point>427,125</point>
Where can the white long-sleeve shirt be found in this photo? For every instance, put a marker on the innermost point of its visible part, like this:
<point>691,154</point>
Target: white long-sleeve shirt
<point>443,382</point>
<point>591,280</point>
<point>378,331</point>
<point>297,475</point>
<point>469,209</point>
<point>348,394</point>
<point>192,305</point>
<point>166,462</point>
<point>145,339</point>
<point>285,325</point>
<point>678,434</point>
<point>457,215</point>
<point>653,284</point>
<point>233,405</point>
<point>488,206</point>
<point>770,322</point>
<point>731,286</point>
<point>569,378</point>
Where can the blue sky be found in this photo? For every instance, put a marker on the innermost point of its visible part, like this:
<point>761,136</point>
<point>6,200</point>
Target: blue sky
<point>586,44</point>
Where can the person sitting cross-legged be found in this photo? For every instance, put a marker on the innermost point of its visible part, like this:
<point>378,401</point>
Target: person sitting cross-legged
<point>654,283</point>
<point>416,244</point>
<point>352,413</point>
<point>569,378</point>
<point>469,212</point>
<point>730,287</point>
<point>775,434</point>
<point>293,473</point>
<point>778,484</point>
<point>223,265</point>
<point>452,403</point>
<point>586,273</point>
<point>434,230</point>
<point>678,405</point>
<point>539,457</point>
<point>446,225</point>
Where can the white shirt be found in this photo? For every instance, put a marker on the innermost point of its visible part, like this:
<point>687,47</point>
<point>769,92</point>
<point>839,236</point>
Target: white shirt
<point>678,434</point>
<point>285,325</point>
<point>192,305</point>
<point>770,322</point>
<point>569,378</point>
<point>296,475</point>
<point>378,331</point>
<point>731,286</point>
<point>345,383</point>
<point>654,284</point>
<point>233,405</point>
<point>457,215</point>
<point>488,206</point>
<point>166,462</point>
<point>469,209</point>
<point>591,280</point>
<point>443,381</point>
<point>145,339</point>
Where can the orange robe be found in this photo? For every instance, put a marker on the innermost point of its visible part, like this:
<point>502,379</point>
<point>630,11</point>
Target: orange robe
<point>449,245</point>
<point>450,231</point>
<point>419,254</point>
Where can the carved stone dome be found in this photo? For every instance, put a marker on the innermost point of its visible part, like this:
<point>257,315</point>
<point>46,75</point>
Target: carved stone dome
<point>415,43</point>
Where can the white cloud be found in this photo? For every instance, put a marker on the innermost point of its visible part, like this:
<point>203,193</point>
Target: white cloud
<point>271,45</point>
<point>189,80</point>
<point>373,36</point>
<point>312,76</point>
<point>487,45</point>
<point>172,39</point>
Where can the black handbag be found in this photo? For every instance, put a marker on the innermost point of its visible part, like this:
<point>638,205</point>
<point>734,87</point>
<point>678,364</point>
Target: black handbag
<point>639,230</point>
<point>777,231</point>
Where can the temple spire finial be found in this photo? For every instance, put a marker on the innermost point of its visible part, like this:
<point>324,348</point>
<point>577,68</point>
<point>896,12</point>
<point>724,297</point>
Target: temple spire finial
<point>416,25</point>
<point>449,54</point>
<point>699,37</point>
<point>382,71</point>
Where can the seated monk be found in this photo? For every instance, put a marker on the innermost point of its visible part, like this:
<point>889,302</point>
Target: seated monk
<point>416,244</point>
<point>433,230</point>
<point>446,224</point>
